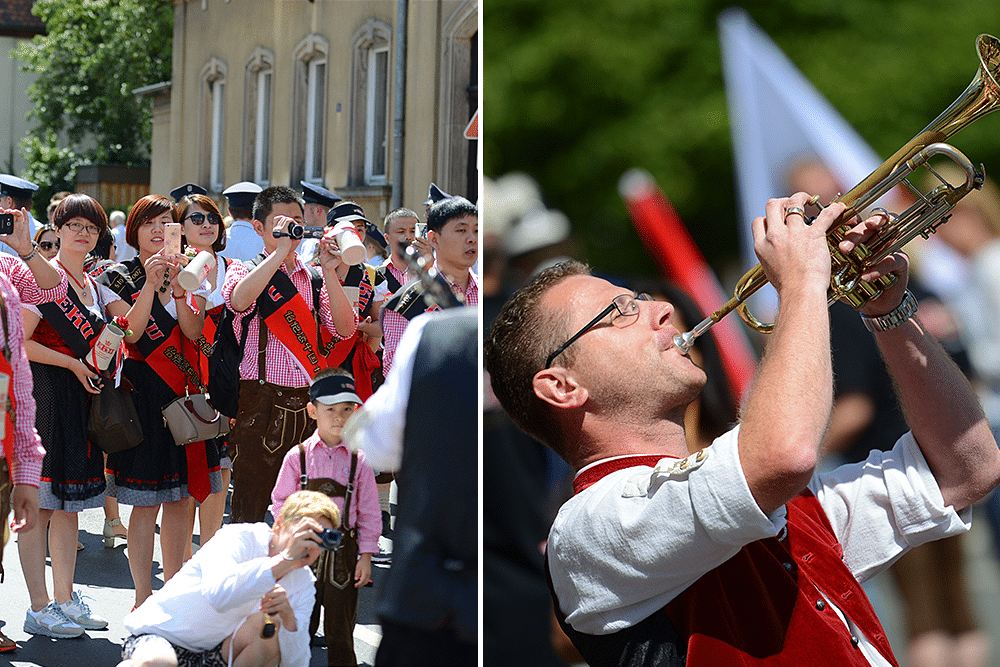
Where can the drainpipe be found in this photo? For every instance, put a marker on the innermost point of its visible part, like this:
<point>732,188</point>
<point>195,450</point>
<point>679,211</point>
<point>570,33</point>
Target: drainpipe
<point>400,106</point>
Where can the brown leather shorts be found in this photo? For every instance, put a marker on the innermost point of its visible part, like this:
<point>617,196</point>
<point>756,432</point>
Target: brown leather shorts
<point>271,420</point>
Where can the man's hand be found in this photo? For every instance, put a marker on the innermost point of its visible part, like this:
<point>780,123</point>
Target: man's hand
<point>304,547</point>
<point>275,602</point>
<point>25,504</point>
<point>792,252</point>
<point>329,251</point>
<point>897,264</point>
<point>285,243</point>
<point>20,240</point>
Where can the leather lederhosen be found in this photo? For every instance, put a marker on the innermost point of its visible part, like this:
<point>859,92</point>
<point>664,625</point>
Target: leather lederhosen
<point>271,420</point>
<point>335,591</point>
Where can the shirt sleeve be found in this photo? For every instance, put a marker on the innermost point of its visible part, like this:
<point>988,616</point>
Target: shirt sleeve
<point>287,482</point>
<point>881,507</point>
<point>233,576</point>
<point>295,650</point>
<point>369,511</point>
<point>236,272</point>
<point>393,327</point>
<point>377,428</point>
<point>650,533</point>
<point>28,451</point>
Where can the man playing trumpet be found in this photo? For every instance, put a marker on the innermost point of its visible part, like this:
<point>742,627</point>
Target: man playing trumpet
<point>740,553</point>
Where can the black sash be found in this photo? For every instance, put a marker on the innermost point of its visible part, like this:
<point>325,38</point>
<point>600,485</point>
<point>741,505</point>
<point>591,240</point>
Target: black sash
<point>389,277</point>
<point>412,300</point>
<point>76,324</point>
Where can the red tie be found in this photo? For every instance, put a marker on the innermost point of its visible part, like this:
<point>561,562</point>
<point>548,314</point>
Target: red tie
<point>199,485</point>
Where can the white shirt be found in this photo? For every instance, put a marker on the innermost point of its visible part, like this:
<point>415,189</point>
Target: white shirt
<point>242,241</point>
<point>377,428</point>
<point>123,251</point>
<point>630,543</point>
<point>219,588</point>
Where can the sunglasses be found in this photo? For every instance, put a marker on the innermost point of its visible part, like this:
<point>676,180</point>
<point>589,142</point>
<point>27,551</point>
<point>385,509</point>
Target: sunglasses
<point>200,219</point>
<point>49,245</point>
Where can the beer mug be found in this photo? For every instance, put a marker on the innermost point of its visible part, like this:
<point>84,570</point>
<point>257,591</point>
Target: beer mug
<point>194,274</point>
<point>352,247</point>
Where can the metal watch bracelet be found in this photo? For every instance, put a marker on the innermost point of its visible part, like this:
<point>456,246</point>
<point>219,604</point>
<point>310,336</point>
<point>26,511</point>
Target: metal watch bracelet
<point>904,311</point>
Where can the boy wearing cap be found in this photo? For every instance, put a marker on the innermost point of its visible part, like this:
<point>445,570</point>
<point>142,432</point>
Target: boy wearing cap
<point>324,463</point>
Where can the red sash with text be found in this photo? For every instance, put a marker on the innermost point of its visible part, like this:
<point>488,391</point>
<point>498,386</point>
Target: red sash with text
<point>11,402</point>
<point>162,347</point>
<point>290,319</point>
<point>351,353</point>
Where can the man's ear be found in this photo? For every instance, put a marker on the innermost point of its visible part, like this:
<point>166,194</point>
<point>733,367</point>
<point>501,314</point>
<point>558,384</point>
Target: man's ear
<point>258,227</point>
<point>558,387</point>
<point>432,238</point>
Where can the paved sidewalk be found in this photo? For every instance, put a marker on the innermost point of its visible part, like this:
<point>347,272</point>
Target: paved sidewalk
<point>103,575</point>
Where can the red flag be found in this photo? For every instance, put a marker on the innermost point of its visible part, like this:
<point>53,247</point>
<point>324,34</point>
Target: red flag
<point>671,246</point>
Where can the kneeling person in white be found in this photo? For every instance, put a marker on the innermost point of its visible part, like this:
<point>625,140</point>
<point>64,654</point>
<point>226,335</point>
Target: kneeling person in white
<point>220,600</point>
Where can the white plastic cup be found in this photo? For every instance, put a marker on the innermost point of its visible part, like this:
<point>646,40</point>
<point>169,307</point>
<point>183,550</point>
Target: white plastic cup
<point>105,347</point>
<point>352,247</point>
<point>353,295</point>
<point>193,275</point>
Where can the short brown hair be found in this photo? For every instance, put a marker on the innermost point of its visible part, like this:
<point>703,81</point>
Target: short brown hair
<point>206,202</point>
<point>521,337</point>
<point>145,209</point>
<point>83,206</point>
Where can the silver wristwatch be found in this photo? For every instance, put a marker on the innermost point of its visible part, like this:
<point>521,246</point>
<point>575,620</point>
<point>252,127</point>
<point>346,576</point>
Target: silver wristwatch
<point>904,311</point>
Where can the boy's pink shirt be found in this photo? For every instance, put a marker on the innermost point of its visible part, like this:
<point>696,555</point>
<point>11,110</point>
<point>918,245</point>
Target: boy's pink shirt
<point>335,463</point>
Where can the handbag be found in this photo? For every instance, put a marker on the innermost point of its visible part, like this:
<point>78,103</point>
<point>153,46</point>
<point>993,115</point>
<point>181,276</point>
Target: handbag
<point>113,424</point>
<point>191,418</point>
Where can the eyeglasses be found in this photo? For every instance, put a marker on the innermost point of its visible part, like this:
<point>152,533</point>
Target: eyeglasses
<point>200,219</point>
<point>79,227</point>
<point>625,309</point>
<point>48,245</point>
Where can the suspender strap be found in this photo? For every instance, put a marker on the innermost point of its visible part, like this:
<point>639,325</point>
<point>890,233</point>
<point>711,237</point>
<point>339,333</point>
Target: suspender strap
<point>350,491</point>
<point>303,477</point>
<point>261,349</point>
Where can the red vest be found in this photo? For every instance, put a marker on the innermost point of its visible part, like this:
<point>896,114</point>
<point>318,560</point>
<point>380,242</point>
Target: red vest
<point>761,607</point>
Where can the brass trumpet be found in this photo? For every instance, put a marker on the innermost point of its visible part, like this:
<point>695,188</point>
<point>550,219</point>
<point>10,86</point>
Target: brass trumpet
<point>922,218</point>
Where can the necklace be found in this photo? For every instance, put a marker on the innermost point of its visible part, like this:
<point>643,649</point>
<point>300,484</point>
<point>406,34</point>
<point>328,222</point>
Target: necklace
<point>72,277</point>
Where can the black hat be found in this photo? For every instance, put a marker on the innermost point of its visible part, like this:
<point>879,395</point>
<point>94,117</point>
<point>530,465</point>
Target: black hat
<point>16,188</point>
<point>333,389</point>
<point>316,194</point>
<point>435,194</point>
<point>187,189</point>
<point>373,232</point>
<point>242,193</point>
<point>346,211</point>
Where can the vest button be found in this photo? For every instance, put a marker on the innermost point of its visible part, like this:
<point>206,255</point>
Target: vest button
<point>787,566</point>
<point>821,605</point>
<point>854,641</point>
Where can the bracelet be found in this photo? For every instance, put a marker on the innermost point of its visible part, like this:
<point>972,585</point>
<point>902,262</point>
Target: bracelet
<point>282,554</point>
<point>31,255</point>
<point>177,297</point>
<point>904,311</point>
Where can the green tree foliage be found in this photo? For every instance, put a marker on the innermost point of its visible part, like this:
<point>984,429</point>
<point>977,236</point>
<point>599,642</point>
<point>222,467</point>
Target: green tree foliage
<point>577,93</point>
<point>93,55</point>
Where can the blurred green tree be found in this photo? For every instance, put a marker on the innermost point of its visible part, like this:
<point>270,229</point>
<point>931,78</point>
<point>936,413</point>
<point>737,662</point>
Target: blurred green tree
<point>93,55</point>
<point>577,93</point>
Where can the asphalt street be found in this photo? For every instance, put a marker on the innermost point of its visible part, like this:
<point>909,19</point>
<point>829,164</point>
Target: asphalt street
<point>102,575</point>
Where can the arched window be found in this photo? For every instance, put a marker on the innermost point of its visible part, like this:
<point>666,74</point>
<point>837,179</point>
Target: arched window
<point>213,77</point>
<point>371,60</point>
<point>257,117</point>
<point>309,129</point>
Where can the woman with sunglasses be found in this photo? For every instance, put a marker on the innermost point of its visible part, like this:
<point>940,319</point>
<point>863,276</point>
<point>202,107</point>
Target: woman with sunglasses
<point>61,335</point>
<point>155,473</point>
<point>203,231</point>
<point>48,241</point>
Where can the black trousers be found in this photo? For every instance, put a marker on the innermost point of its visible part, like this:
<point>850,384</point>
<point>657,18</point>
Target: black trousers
<point>407,646</point>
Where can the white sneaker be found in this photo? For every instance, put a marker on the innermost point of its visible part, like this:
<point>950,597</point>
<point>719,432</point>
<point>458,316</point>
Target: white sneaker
<point>78,612</point>
<point>51,622</point>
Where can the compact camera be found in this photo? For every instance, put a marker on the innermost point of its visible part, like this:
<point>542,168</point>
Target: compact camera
<point>297,231</point>
<point>329,538</point>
